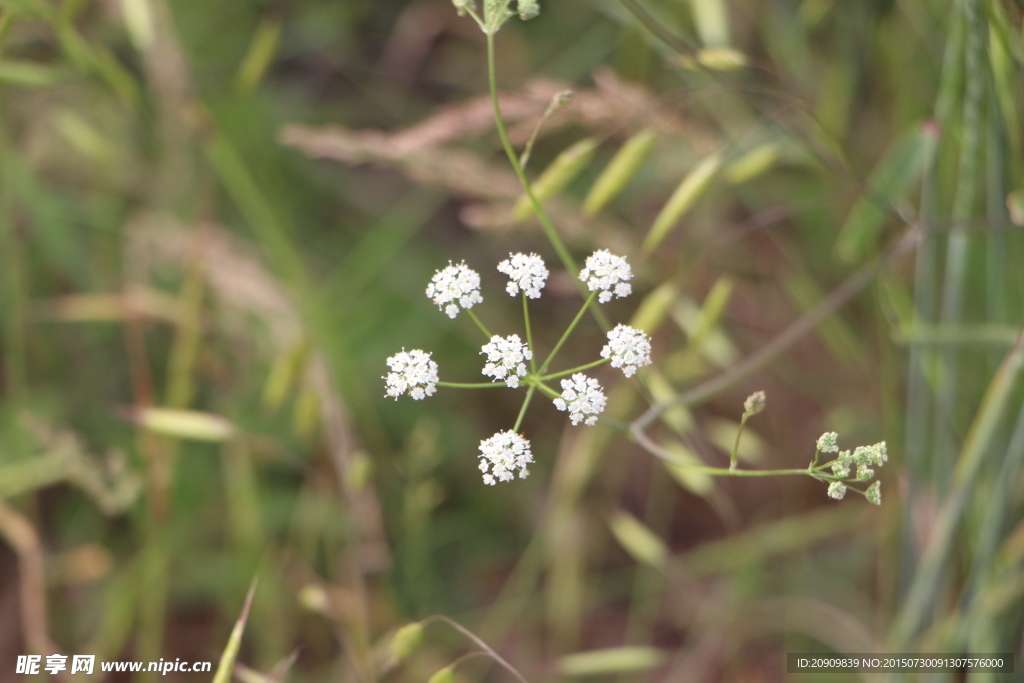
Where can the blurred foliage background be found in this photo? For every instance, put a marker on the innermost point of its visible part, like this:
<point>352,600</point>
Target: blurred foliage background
<point>218,219</point>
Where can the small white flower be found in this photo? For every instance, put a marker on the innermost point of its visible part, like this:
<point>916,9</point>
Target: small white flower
<point>881,453</point>
<point>606,272</point>
<point>628,348</point>
<point>864,455</point>
<point>837,490</point>
<point>505,356</point>
<point>582,397</point>
<point>841,468</point>
<point>527,273</point>
<point>874,493</point>
<point>827,442</point>
<point>411,372</point>
<point>459,284</point>
<point>864,473</point>
<point>502,454</point>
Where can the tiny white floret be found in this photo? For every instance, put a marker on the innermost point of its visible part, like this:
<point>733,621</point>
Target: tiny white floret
<point>502,454</point>
<point>455,286</point>
<point>526,272</point>
<point>827,442</point>
<point>628,348</point>
<point>412,372</point>
<point>608,273</point>
<point>874,493</point>
<point>505,356</point>
<point>582,397</point>
<point>837,490</point>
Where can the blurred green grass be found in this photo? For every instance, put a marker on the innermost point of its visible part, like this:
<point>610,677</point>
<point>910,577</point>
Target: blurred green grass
<point>166,242</point>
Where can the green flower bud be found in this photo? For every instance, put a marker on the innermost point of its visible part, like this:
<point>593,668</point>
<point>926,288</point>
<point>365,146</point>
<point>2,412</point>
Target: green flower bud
<point>405,640</point>
<point>445,675</point>
<point>754,404</point>
<point>528,9</point>
<point>874,493</point>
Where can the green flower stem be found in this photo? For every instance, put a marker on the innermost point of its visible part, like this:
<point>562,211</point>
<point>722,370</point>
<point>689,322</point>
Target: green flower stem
<point>478,323</point>
<point>522,411</point>
<point>653,448</point>
<point>727,472</point>
<point>581,368</point>
<point>542,216</point>
<point>463,385</point>
<point>529,333</point>
<point>814,463</point>
<point>568,331</point>
<point>547,390</point>
<point>736,446</point>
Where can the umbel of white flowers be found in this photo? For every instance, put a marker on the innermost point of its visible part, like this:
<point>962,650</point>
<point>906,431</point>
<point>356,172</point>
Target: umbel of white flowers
<point>456,288</point>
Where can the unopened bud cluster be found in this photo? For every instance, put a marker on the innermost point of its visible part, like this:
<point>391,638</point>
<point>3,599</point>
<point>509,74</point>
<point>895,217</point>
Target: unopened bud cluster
<point>496,12</point>
<point>852,467</point>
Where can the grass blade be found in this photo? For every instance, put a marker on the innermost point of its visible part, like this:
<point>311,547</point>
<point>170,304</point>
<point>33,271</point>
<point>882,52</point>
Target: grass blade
<point>230,654</point>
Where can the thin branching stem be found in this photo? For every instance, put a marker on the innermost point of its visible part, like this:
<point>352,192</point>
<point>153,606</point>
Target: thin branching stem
<point>526,404</point>
<point>581,368</point>
<point>542,216</point>
<point>479,324</point>
<point>529,333</point>
<point>568,331</point>
<point>470,385</point>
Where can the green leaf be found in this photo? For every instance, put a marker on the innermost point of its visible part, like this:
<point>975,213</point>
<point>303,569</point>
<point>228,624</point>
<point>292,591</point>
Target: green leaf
<point>557,176</point>
<point>682,200</point>
<point>890,181</point>
<point>619,172</point>
<point>27,74</point>
<point>610,661</point>
<point>184,424</point>
<point>639,541</point>
<point>227,658</point>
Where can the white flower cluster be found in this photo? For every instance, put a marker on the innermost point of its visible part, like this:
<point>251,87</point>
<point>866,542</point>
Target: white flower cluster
<point>860,462</point>
<point>874,493</point>
<point>505,356</point>
<point>837,490</point>
<point>608,273</point>
<point>455,284</point>
<point>457,287</point>
<point>411,372</point>
<point>527,273</point>
<point>628,348</point>
<point>502,454</point>
<point>827,443</point>
<point>582,397</point>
